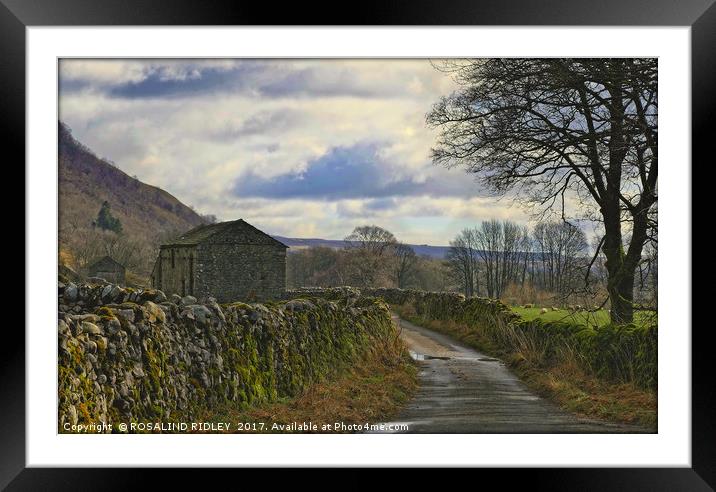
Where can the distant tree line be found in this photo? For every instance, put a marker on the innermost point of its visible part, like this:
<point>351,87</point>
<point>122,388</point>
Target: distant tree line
<point>372,257</point>
<point>551,263</point>
<point>548,264</point>
<point>498,254</point>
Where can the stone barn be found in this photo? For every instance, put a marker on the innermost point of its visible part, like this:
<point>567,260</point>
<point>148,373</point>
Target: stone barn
<point>229,261</point>
<point>108,269</point>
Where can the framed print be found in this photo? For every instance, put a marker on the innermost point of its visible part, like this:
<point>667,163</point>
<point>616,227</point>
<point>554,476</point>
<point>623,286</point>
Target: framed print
<point>418,237</point>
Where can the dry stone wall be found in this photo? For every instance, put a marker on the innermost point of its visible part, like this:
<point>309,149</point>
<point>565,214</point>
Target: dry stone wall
<point>135,356</point>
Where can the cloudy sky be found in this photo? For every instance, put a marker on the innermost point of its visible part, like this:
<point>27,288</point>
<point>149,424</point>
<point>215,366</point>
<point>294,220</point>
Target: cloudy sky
<point>300,148</point>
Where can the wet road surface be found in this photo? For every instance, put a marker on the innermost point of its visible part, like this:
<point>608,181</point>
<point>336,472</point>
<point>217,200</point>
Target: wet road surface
<point>465,391</point>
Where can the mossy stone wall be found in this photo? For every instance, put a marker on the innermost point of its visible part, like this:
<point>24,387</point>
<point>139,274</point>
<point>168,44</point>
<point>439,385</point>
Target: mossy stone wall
<point>131,356</point>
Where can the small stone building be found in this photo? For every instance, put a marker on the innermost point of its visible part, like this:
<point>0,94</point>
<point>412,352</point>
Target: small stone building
<point>229,261</point>
<point>108,269</point>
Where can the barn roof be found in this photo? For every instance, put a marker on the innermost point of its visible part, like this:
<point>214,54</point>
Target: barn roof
<point>106,262</point>
<point>203,232</point>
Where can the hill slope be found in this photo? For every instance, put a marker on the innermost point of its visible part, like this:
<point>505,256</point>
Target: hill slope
<point>85,181</point>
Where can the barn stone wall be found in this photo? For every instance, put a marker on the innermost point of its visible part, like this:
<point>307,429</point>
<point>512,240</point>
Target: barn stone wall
<point>231,272</point>
<point>107,270</point>
<point>176,270</point>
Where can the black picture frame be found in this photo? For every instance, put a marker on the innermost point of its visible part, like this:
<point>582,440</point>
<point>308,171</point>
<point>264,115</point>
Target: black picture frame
<point>16,15</point>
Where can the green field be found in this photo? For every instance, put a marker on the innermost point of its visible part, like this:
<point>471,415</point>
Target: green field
<point>596,318</point>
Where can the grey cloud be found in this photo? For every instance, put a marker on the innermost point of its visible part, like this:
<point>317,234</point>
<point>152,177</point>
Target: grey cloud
<point>263,123</point>
<point>260,78</point>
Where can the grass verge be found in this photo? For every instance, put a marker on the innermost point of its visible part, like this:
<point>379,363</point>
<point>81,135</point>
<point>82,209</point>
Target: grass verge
<point>587,318</point>
<point>564,383</point>
<point>372,391</point>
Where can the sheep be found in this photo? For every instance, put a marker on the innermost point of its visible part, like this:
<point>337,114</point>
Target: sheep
<point>528,306</point>
<point>543,311</point>
<point>555,308</point>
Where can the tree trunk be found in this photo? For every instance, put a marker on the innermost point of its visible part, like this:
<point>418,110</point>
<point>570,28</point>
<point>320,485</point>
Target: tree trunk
<point>620,281</point>
<point>621,269</point>
<point>621,266</point>
<point>621,298</point>
<point>477,280</point>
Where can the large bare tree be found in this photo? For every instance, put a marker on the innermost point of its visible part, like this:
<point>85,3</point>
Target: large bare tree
<point>565,135</point>
<point>371,238</point>
<point>462,259</point>
<point>369,256</point>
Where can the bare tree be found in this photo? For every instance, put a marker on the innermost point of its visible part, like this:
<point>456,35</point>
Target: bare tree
<point>499,247</point>
<point>371,238</point>
<point>511,254</point>
<point>555,130</point>
<point>559,247</point>
<point>462,259</point>
<point>88,245</point>
<point>405,263</point>
<point>526,254</point>
<point>367,259</point>
<point>489,241</point>
<point>315,267</point>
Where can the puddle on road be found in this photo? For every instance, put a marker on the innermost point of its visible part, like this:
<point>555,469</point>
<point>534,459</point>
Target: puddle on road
<point>418,356</point>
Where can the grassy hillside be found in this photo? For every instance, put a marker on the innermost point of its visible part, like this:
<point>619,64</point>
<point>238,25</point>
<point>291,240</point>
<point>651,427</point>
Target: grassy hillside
<point>85,181</point>
<point>147,213</point>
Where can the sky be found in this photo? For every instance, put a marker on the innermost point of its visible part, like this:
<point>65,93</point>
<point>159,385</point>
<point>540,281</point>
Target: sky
<point>298,148</point>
